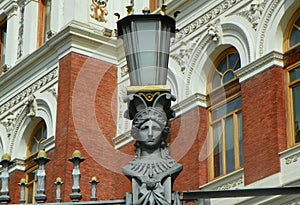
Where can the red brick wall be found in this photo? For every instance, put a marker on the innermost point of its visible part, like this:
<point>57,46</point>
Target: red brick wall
<point>77,81</point>
<point>194,161</point>
<point>264,123</point>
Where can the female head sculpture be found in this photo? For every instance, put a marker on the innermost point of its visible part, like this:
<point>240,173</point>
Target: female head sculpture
<point>150,131</point>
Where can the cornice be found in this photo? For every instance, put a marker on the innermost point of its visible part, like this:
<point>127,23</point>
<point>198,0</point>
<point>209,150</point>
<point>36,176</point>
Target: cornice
<point>190,103</point>
<point>269,60</point>
<point>205,18</point>
<point>53,75</point>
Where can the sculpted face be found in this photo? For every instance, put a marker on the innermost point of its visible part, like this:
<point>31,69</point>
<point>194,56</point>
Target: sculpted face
<point>150,134</point>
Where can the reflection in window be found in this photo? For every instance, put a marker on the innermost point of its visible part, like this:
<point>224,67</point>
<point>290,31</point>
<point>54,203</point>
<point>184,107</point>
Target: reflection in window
<point>224,71</point>
<point>295,33</point>
<point>39,134</point>
<point>226,128</point>
<point>225,116</point>
<point>295,99</point>
<point>3,33</point>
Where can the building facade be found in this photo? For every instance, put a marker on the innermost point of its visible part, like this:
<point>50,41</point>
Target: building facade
<point>234,68</point>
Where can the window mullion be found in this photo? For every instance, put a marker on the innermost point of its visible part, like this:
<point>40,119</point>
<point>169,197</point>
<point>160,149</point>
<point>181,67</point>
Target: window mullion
<point>223,147</point>
<point>236,141</point>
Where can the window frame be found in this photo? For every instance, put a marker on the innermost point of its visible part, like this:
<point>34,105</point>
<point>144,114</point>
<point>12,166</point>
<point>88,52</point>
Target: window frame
<point>286,42</point>
<point>44,21</point>
<point>41,124</point>
<point>222,119</point>
<point>3,34</point>
<point>32,183</point>
<point>291,61</point>
<point>291,118</point>
<point>218,97</point>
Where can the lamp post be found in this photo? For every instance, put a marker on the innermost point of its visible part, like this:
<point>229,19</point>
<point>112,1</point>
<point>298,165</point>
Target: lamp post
<point>152,172</point>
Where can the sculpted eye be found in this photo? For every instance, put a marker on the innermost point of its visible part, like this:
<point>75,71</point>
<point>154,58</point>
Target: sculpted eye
<point>156,128</point>
<point>144,127</point>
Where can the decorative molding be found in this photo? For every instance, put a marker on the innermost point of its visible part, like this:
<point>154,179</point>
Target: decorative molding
<point>293,202</point>
<point>21,31</point>
<point>189,103</point>
<point>205,18</point>
<point>32,106</point>
<point>265,26</point>
<point>213,30</point>
<point>48,143</point>
<point>19,119</point>
<point>124,71</point>
<point>183,54</point>
<point>98,10</point>
<point>122,139</point>
<point>292,159</point>
<point>271,59</point>
<point>254,12</point>
<point>232,184</point>
<point>29,91</point>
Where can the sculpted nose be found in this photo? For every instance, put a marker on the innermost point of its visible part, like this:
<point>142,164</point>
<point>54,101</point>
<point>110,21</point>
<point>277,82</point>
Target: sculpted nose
<point>150,133</point>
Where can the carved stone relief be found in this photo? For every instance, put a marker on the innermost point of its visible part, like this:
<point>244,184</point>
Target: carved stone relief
<point>254,12</point>
<point>21,30</point>
<point>29,91</point>
<point>182,55</point>
<point>32,106</point>
<point>232,184</point>
<point>213,30</point>
<point>98,10</point>
<point>205,18</point>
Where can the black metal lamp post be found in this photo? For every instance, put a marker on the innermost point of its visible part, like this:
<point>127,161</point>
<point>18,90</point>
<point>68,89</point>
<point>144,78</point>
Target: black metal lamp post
<point>152,171</point>
<point>147,44</point>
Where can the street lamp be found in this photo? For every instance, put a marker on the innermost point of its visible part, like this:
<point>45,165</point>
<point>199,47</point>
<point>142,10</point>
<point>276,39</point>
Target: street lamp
<point>147,44</point>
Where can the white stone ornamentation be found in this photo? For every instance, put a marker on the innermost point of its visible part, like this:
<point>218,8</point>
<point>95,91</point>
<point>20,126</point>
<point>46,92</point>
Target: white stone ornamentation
<point>98,10</point>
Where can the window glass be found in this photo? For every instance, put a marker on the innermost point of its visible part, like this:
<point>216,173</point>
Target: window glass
<point>296,113</point>
<point>3,33</point>
<point>224,71</point>
<point>227,138</point>
<point>295,33</point>
<point>39,134</point>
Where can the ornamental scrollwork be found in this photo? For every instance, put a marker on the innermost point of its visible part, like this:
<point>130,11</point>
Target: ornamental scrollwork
<point>98,10</point>
<point>254,12</point>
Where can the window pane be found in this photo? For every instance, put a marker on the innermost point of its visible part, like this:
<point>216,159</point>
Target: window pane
<point>217,147</point>
<point>233,59</point>
<point>298,22</point>
<point>33,147</point>
<point>216,82</point>
<point>228,77</point>
<point>226,109</point>
<point>295,37</point>
<point>30,194</point>
<point>296,104</point>
<point>240,137</point>
<point>4,47</point>
<point>222,67</point>
<point>229,143</point>
<point>294,74</point>
<point>38,135</point>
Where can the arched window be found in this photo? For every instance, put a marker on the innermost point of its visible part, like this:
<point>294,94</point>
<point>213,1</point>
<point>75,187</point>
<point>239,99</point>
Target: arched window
<point>225,115</point>
<point>292,64</point>
<point>39,134</point>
